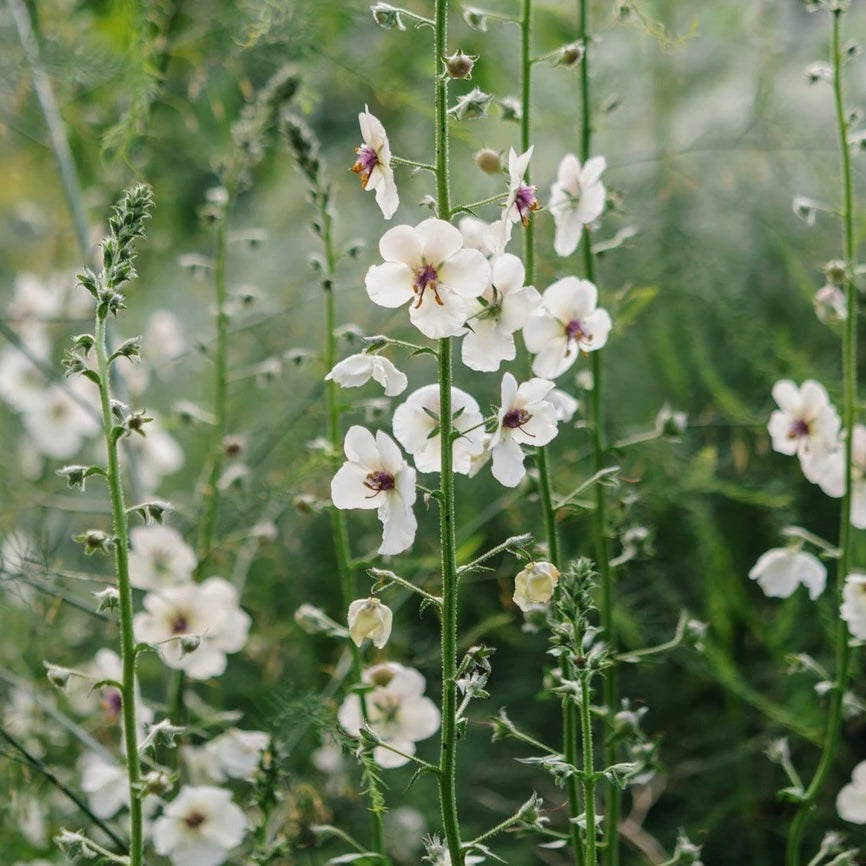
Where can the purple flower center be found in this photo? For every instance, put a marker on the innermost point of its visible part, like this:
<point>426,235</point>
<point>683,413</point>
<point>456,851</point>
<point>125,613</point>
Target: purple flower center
<point>515,418</point>
<point>366,162</point>
<point>798,429</point>
<point>180,624</point>
<point>426,278</point>
<point>525,202</point>
<point>574,331</point>
<point>112,703</point>
<point>194,820</point>
<point>379,481</point>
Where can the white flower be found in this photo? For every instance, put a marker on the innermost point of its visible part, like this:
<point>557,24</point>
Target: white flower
<point>851,801</point>
<point>507,305</point>
<point>828,473</point>
<point>159,557</point>
<point>208,611</point>
<point>357,370</point>
<point>567,321</point>
<point>476,234</point>
<point>369,618</point>
<point>416,426</point>
<point>199,827</point>
<point>565,404</point>
<point>853,609</point>
<point>805,424</point>
<point>59,422</point>
<point>781,570</point>
<point>377,476</point>
<point>157,454</point>
<point>374,163</point>
<point>429,266</point>
<point>236,754</point>
<point>105,783</point>
<point>519,204</point>
<point>22,384</point>
<point>576,200</point>
<point>525,417</point>
<point>397,711</point>
<point>535,585</point>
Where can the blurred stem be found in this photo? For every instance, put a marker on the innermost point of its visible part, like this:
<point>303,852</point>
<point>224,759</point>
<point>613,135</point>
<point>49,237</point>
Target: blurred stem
<point>447,537</point>
<point>54,122</point>
<point>210,496</point>
<point>121,559</point>
<point>849,403</point>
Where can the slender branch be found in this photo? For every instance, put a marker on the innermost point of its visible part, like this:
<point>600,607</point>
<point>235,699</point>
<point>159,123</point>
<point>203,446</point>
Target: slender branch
<point>588,769</point>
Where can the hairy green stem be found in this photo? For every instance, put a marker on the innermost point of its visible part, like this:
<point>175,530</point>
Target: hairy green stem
<point>447,532</point>
<point>849,402</point>
<point>588,769</point>
<point>121,558</point>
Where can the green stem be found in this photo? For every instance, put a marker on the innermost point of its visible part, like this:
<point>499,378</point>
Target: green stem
<point>526,127</point>
<point>849,401</point>
<point>588,769</point>
<point>127,638</point>
<point>447,532</point>
<point>610,688</point>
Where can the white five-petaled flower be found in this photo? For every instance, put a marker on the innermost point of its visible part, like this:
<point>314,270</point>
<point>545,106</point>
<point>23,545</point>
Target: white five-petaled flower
<point>805,424</point>
<point>369,618</point>
<point>429,266</point>
<point>159,557</point>
<point>535,585</point>
<point>781,570</point>
<point>576,200</point>
<point>568,320</point>
<point>853,609</point>
<point>503,309</point>
<point>377,476</point>
<point>105,783</point>
<point>519,204</point>
<point>199,827</point>
<point>417,428</point>
<point>397,711</point>
<point>357,370</point>
<point>374,163</point>
<point>236,754</point>
<point>851,800</point>
<point>194,626</point>
<point>829,474</point>
<point>525,418</point>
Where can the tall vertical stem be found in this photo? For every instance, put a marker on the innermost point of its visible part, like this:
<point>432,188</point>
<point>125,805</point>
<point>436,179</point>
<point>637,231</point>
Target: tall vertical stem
<point>447,534</point>
<point>613,798</point>
<point>849,401</point>
<point>588,768</point>
<point>127,638</point>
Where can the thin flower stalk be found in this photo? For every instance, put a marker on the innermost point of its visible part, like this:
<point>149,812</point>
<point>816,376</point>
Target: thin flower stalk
<point>610,689</point>
<point>849,411</point>
<point>447,514</point>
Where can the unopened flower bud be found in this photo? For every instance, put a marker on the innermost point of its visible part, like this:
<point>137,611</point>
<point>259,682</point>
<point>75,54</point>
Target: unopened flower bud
<point>108,599</point>
<point>459,65</point>
<point>387,17</point>
<point>471,105</point>
<point>535,584</point>
<point>488,160</point>
<point>189,643</point>
<point>57,676</point>
<point>830,304</point>
<point>157,782</point>
<point>571,54</point>
<point>369,618</point>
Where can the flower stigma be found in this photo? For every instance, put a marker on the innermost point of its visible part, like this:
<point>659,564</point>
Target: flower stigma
<point>379,481</point>
<point>366,162</point>
<point>426,277</point>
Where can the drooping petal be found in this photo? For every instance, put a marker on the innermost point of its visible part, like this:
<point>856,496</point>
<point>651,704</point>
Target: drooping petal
<point>440,320</point>
<point>508,468</point>
<point>398,526</point>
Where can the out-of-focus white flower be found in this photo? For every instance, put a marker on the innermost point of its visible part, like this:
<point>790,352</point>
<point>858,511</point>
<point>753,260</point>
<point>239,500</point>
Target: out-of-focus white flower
<point>493,318</point>
<point>828,472</point>
<point>781,570</point>
<point>397,711</point>
<point>374,163</point>
<point>476,234</point>
<point>830,305</point>
<point>519,204</point>
<point>525,417</point>
<point>564,403</point>
<point>369,618</point>
<point>208,611</point>
<point>377,476</point>
<point>236,754</point>
<point>568,320</point>
<point>853,609</point>
<point>404,827</point>
<point>159,557</point>
<point>163,339</point>
<point>805,424</point>
<point>105,783</point>
<point>357,370</point>
<point>429,266</point>
<point>851,801</point>
<point>22,384</point>
<point>417,428</point>
<point>199,827</point>
<point>157,454</point>
<point>535,585</point>
<point>59,423</point>
<point>576,200</point>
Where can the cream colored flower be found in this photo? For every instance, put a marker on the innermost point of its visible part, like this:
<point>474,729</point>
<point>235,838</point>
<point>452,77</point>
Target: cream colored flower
<point>369,618</point>
<point>535,585</point>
